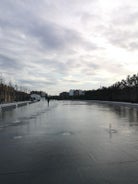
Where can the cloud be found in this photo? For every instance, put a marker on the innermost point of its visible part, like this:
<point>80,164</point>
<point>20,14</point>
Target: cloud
<point>9,63</point>
<point>123,38</point>
<point>38,83</point>
<point>71,81</point>
<point>60,44</point>
<point>121,30</point>
<point>48,34</point>
<point>125,16</point>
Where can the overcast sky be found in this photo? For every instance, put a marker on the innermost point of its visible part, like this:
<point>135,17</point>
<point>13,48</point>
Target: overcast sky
<point>68,44</point>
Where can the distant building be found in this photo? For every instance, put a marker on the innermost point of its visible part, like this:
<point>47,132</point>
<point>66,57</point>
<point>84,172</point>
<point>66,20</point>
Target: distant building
<point>40,93</point>
<point>64,95</point>
<point>81,92</point>
<point>43,94</point>
<point>35,97</point>
<point>71,92</point>
<point>76,92</point>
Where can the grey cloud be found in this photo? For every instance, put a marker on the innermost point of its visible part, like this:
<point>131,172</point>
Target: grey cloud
<point>75,4</point>
<point>82,2</point>
<point>123,37</point>
<point>9,63</point>
<point>125,16</point>
<point>90,69</point>
<point>37,83</point>
<point>90,61</point>
<point>87,18</point>
<point>60,67</point>
<point>92,65</point>
<point>50,35</point>
<point>71,80</point>
<point>90,46</point>
<point>121,29</point>
<point>55,37</point>
<point>133,45</point>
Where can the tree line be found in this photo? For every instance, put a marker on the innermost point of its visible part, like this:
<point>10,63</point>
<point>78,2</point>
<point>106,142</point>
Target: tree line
<point>124,90</point>
<point>11,93</point>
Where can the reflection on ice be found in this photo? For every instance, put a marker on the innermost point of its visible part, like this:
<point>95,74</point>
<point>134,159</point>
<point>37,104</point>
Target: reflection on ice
<point>128,113</point>
<point>111,130</point>
<point>17,137</point>
<point>66,133</point>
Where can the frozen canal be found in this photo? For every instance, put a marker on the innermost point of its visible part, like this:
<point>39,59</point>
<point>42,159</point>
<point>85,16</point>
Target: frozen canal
<point>69,142</point>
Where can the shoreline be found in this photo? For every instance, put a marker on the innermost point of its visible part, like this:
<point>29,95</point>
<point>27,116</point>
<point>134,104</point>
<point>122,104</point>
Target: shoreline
<point>128,104</point>
<point>13,105</point>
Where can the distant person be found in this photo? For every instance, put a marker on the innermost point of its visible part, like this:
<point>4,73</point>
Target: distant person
<point>48,99</point>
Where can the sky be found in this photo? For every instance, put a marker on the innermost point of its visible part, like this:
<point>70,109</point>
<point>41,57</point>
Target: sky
<point>60,45</point>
